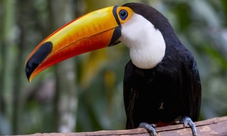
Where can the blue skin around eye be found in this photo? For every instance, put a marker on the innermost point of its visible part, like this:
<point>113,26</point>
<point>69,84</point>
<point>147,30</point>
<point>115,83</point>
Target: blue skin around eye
<point>123,14</point>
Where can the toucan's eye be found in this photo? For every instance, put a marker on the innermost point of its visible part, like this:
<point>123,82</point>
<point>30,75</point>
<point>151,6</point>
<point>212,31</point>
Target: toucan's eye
<point>123,14</point>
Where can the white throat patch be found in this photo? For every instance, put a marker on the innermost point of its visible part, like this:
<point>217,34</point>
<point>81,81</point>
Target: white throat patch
<point>146,44</point>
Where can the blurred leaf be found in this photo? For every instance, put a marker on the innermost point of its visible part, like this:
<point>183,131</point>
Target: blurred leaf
<point>91,66</point>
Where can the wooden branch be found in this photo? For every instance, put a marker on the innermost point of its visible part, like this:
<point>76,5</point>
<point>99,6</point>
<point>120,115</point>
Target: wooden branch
<point>210,127</point>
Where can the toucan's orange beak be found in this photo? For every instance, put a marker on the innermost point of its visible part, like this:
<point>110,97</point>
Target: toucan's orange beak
<point>92,31</point>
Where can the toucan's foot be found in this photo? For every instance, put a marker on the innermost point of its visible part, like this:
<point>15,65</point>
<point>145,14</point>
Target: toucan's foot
<point>149,128</point>
<point>189,123</point>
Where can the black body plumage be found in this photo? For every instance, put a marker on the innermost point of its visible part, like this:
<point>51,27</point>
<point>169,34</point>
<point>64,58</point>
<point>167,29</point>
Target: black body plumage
<point>169,90</point>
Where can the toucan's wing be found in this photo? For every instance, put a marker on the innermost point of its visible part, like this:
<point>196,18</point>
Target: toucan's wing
<point>128,90</point>
<point>192,81</point>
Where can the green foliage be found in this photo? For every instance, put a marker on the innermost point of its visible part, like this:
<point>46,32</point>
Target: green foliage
<point>31,107</point>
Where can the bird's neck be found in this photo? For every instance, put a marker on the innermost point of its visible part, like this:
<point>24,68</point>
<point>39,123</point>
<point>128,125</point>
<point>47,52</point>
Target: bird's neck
<point>146,43</point>
<point>148,56</point>
<point>148,48</point>
<point>150,52</point>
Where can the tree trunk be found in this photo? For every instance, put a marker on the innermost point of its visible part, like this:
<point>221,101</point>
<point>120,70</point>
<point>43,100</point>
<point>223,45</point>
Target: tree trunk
<point>66,100</point>
<point>7,45</point>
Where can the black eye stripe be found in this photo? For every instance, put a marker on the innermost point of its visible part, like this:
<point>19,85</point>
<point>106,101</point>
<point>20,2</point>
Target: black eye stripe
<point>115,15</point>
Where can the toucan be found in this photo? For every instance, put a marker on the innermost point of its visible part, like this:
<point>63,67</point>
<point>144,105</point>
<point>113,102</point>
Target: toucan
<point>161,81</point>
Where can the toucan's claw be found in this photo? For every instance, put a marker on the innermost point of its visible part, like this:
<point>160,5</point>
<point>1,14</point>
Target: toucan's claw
<point>189,123</point>
<point>149,128</point>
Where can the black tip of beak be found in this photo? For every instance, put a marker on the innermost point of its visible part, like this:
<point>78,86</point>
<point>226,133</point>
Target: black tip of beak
<point>38,58</point>
<point>29,69</point>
